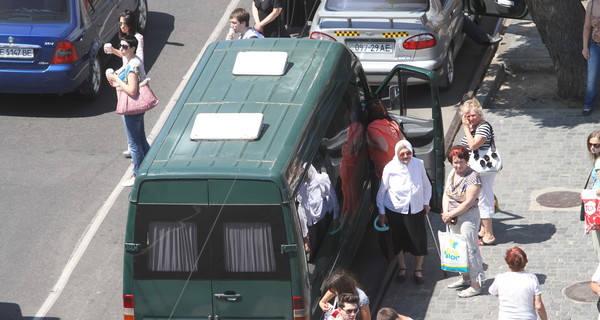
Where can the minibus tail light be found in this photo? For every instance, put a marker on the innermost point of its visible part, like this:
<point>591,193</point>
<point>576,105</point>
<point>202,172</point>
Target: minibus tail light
<point>420,41</point>
<point>300,308</point>
<point>321,36</point>
<point>128,307</point>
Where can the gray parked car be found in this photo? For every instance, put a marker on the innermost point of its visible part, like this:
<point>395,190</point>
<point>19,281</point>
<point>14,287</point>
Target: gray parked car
<point>383,33</point>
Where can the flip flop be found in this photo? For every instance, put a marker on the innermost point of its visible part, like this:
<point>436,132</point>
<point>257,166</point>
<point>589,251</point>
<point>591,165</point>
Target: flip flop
<point>483,243</point>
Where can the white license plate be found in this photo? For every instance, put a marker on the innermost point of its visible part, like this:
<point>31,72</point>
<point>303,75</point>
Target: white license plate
<point>16,53</point>
<point>371,47</point>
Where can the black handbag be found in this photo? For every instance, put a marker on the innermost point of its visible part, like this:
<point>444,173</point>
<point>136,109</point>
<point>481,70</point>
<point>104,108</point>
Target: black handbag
<point>582,212</point>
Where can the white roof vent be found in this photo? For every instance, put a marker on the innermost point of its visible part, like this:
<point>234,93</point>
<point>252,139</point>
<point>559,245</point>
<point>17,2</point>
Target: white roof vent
<point>227,126</point>
<point>260,63</point>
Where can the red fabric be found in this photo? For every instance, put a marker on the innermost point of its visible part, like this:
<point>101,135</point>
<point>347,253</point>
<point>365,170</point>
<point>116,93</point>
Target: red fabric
<point>592,216</point>
<point>390,131</point>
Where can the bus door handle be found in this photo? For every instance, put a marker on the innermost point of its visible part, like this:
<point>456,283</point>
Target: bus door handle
<point>229,296</point>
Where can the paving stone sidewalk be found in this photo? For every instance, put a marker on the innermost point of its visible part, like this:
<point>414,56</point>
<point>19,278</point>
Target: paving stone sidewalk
<point>543,151</point>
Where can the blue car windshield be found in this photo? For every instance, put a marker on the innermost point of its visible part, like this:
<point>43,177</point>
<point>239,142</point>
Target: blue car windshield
<point>34,11</point>
<point>376,5</point>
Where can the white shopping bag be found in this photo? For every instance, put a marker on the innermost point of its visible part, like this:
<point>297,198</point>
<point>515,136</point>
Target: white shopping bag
<point>453,248</point>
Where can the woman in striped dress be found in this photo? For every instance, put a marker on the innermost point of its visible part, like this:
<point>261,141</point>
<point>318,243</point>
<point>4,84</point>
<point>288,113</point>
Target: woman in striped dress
<point>479,134</point>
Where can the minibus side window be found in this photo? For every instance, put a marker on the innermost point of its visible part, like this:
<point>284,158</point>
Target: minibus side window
<point>248,247</point>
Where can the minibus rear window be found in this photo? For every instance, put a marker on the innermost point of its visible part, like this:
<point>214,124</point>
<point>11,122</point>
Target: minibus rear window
<point>175,246</point>
<point>249,247</point>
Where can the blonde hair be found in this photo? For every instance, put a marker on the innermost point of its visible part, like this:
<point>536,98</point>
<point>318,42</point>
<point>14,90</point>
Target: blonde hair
<point>471,104</point>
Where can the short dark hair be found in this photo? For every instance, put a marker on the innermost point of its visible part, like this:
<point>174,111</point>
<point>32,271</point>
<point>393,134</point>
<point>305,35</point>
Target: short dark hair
<point>130,21</point>
<point>458,151</point>
<point>348,298</point>
<point>131,41</point>
<point>241,15</point>
<point>387,314</point>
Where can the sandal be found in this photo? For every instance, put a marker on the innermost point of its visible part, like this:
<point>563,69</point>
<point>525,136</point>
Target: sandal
<point>469,292</point>
<point>483,243</point>
<point>418,280</point>
<point>460,283</point>
<point>401,277</point>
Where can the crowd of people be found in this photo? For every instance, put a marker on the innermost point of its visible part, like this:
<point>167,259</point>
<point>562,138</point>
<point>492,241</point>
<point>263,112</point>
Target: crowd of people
<point>403,188</point>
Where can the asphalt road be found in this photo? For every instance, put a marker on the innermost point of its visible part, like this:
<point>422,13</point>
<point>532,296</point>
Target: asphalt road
<point>60,167</point>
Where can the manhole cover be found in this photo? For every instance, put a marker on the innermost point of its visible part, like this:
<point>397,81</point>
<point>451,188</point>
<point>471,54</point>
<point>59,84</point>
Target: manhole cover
<point>580,292</point>
<point>559,199</point>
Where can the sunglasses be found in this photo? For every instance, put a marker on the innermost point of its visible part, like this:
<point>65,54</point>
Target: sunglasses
<point>125,47</point>
<point>595,145</point>
<point>404,154</point>
<point>355,310</point>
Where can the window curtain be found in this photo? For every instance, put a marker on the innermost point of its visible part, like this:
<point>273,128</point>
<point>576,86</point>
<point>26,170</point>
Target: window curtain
<point>249,247</point>
<point>172,246</point>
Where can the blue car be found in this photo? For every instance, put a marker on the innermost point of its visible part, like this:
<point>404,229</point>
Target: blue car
<point>56,46</point>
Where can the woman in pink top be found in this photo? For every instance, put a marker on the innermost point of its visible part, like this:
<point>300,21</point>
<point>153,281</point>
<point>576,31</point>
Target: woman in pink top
<point>382,135</point>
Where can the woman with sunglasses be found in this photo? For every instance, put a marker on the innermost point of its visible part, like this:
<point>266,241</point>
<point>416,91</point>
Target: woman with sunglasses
<point>479,134</point>
<point>593,145</point>
<point>403,201</point>
<point>461,213</point>
<point>128,26</point>
<point>127,79</point>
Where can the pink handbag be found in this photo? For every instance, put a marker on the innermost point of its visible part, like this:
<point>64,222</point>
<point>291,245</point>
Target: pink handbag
<point>142,102</point>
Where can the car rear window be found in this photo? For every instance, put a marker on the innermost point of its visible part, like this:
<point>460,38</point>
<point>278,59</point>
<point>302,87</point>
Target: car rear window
<point>376,5</point>
<point>34,11</point>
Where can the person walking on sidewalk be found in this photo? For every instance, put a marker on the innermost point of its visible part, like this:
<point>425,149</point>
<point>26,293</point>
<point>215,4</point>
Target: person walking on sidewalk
<point>593,146</point>
<point>461,213</point>
<point>479,134</point>
<point>591,52</point>
<point>519,293</point>
<point>403,202</point>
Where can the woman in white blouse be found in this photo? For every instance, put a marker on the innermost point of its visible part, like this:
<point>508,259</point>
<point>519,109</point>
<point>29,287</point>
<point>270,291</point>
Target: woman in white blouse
<point>403,201</point>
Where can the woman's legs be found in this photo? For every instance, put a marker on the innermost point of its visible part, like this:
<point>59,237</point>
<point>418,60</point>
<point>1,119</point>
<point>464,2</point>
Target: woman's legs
<point>136,139</point>
<point>468,224</point>
<point>593,66</point>
<point>486,208</point>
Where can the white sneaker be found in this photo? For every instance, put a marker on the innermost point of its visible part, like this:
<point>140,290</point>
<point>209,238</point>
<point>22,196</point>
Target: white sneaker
<point>128,183</point>
<point>126,153</point>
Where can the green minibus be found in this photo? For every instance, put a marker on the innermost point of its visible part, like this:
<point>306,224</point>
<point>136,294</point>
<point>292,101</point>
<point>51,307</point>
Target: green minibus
<point>212,229</point>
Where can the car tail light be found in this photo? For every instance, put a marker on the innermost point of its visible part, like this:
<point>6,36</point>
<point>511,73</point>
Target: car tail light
<point>420,41</point>
<point>321,36</point>
<point>300,308</point>
<point>128,307</point>
<point>64,53</point>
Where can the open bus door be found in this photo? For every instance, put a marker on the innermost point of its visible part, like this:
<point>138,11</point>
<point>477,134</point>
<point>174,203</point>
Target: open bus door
<point>418,110</point>
<point>514,9</point>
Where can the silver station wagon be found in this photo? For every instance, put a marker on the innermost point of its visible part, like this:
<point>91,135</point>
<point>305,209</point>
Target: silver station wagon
<point>383,33</point>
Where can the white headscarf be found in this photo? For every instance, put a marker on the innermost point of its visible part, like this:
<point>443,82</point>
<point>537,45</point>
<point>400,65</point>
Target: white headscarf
<point>402,184</point>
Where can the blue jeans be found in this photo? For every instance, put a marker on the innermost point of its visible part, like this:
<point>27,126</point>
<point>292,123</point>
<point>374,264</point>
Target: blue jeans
<point>136,139</point>
<point>593,66</point>
<point>473,31</point>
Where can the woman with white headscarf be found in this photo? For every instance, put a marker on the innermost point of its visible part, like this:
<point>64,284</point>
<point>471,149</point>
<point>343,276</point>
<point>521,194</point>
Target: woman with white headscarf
<point>403,201</point>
